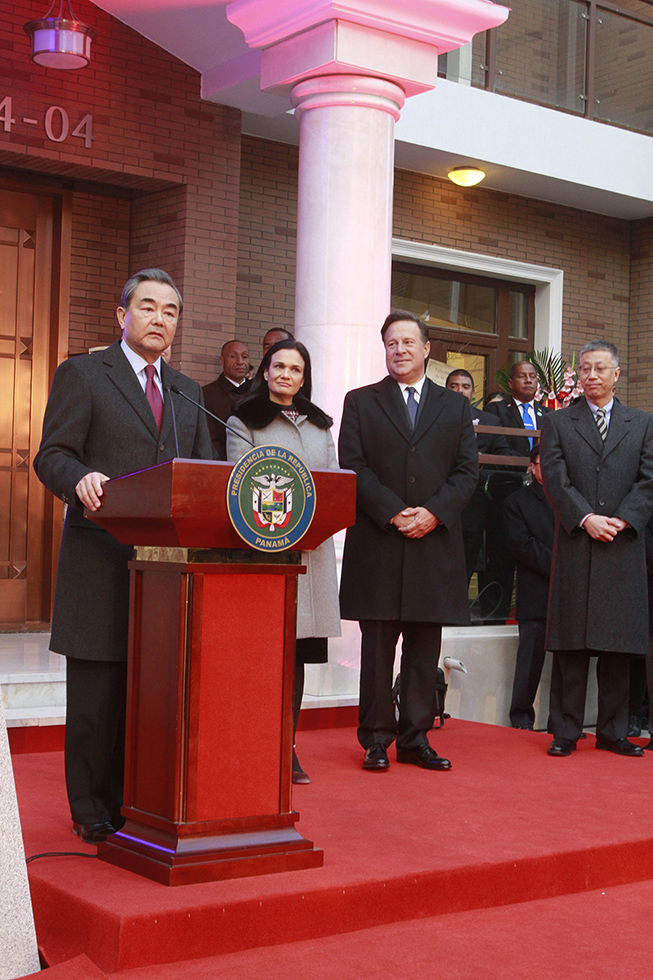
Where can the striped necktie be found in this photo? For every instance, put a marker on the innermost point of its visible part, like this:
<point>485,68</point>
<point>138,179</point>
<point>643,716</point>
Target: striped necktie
<point>602,422</point>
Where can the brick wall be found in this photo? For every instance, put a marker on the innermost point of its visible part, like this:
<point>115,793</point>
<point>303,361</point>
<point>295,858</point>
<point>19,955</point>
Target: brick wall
<point>99,266</point>
<point>164,166</point>
<point>267,241</point>
<point>592,250</point>
<point>641,315</point>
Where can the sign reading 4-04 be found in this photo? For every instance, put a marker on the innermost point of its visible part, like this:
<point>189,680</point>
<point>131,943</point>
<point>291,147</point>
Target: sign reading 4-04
<point>271,498</point>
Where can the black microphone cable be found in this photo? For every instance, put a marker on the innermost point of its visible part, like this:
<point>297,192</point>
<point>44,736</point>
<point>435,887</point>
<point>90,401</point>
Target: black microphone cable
<point>183,394</point>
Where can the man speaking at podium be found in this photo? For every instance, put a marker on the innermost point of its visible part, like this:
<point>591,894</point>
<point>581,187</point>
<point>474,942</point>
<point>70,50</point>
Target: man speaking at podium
<point>109,413</point>
<point>413,448</point>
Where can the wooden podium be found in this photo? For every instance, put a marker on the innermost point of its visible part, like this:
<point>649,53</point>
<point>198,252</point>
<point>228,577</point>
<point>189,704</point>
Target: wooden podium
<point>210,687</point>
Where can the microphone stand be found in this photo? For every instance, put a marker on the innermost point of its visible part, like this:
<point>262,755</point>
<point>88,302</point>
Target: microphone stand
<point>183,394</point>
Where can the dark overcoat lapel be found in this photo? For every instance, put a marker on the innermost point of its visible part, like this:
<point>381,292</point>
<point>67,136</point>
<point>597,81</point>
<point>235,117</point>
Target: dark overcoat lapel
<point>121,374</point>
<point>391,401</point>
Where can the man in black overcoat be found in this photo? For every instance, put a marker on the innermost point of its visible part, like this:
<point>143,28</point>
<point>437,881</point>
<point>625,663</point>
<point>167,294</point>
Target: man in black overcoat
<point>412,446</point>
<point>109,413</point>
<point>529,525</point>
<point>597,464</point>
<point>519,411</point>
<point>221,395</point>
<point>474,516</point>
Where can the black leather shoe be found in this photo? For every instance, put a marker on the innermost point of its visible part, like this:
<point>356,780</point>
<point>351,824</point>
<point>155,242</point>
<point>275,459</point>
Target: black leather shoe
<point>376,758</point>
<point>619,745</point>
<point>561,746</point>
<point>649,745</point>
<point>424,756</point>
<point>299,777</point>
<point>92,833</point>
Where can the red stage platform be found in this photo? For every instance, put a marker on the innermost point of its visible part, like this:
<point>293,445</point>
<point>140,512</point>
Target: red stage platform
<point>508,824</point>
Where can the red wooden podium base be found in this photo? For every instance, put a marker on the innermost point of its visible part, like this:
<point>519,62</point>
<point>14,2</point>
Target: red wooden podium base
<point>173,859</point>
<point>209,719</point>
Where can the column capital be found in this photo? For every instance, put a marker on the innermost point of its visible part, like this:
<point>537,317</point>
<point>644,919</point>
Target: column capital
<point>445,24</point>
<point>395,39</point>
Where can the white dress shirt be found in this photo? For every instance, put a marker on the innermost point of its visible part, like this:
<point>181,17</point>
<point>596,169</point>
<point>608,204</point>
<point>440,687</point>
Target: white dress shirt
<point>139,365</point>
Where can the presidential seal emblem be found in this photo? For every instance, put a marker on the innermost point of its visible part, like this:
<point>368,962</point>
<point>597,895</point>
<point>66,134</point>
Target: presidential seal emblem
<point>271,498</point>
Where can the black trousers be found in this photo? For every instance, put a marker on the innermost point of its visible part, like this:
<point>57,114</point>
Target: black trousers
<point>567,711</point>
<point>419,663</point>
<point>96,692</point>
<point>528,670</point>
<point>649,680</point>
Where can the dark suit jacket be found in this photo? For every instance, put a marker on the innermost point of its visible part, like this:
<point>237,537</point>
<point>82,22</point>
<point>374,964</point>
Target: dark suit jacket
<point>529,525</point>
<point>220,397</point>
<point>598,597</point>
<point>510,416</point>
<point>98,419</point>
<point>386,575</point>
<point>474,516</point>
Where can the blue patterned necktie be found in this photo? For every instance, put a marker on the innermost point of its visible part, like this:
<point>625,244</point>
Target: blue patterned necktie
<point>528,421</point>
<point>411,405</point>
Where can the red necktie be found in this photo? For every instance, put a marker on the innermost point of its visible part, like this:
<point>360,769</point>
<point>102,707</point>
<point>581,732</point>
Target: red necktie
<point>153,395</point>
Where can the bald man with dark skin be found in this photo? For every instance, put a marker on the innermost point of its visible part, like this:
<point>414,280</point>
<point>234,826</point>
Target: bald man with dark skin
<point>225,392</point>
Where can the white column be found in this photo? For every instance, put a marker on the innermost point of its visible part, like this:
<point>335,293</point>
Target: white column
<point>344,228</point>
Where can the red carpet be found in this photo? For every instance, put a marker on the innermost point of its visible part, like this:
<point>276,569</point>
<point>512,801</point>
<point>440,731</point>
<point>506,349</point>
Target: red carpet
<point>507,825</point>
<point>600,935</point>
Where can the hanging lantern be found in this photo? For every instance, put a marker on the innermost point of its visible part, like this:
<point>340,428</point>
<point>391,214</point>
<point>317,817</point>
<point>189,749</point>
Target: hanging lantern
<point>60,41</point>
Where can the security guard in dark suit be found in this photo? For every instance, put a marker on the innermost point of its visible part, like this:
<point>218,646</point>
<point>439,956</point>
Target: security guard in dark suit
<point>475,515</point>
<point>520,411</point>
<point>529,525</point>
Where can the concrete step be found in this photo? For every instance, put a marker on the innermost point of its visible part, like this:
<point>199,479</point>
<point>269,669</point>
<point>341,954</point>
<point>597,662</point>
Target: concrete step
<point>32,680</point>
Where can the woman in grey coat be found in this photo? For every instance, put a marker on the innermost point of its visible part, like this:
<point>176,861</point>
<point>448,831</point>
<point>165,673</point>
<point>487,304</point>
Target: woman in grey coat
<point>278,411</point>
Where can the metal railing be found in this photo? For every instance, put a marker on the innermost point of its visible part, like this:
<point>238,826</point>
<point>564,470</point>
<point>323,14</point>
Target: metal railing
<point>588,57</point>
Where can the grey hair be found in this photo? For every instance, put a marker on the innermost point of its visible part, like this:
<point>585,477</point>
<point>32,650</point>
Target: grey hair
<point>593,345</point>
<point>147,275</point>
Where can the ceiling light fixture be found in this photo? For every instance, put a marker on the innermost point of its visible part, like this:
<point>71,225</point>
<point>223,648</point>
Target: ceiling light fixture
<point>466,176</point>
<point>60,41</point>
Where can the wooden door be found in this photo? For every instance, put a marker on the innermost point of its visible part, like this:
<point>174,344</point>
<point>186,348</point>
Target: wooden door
<point>27,245</point>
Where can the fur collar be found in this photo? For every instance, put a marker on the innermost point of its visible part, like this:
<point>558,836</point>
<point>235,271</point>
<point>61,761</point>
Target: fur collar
<point>258,411</point>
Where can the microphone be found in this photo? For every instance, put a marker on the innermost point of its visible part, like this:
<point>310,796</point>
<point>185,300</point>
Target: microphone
<point>174,422</point>
<point>183,394</point>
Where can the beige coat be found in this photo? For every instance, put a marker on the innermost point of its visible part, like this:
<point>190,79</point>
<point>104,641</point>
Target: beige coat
<point>318,612</point>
